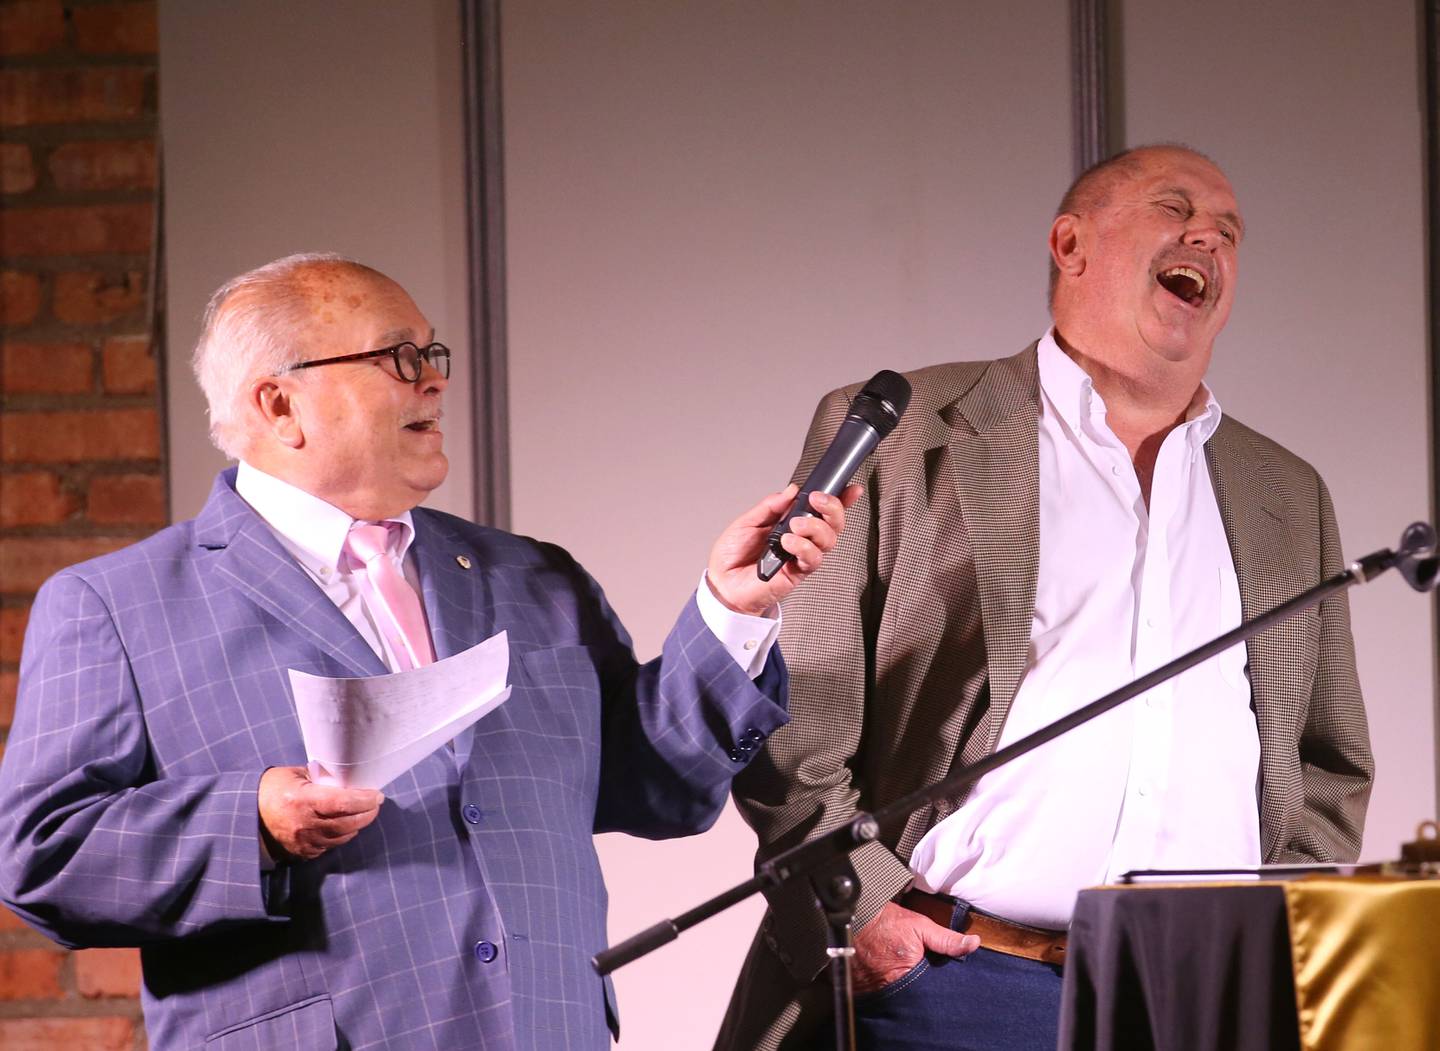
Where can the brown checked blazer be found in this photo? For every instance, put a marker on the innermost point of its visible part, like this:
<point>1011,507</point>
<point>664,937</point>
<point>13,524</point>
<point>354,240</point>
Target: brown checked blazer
<point>906,649</point>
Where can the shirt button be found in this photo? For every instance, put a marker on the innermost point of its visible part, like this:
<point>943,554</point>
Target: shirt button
<point>1143,791</point>
<point>486,952</point>
<point>471,812</point>
<point>750,644</point>
<point>1115,470</point>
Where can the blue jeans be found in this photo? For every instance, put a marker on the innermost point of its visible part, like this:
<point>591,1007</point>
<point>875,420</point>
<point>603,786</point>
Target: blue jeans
<point>988,1001</point>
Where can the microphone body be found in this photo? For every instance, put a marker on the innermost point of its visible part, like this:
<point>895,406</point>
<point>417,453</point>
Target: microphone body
<point>871,416</point>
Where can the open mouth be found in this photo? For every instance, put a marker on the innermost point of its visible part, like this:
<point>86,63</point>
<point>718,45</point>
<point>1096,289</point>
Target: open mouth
<point>422,426</point>
<point>1184,283</point>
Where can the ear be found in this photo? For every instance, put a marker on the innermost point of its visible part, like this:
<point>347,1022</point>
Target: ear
<point>272,399</point>
<point>1066,248</point>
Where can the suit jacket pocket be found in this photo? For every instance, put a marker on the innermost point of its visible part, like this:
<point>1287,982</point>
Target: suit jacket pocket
<point>305,1026</point>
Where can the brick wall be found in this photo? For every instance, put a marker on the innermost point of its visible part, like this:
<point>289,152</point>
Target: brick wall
<point>81,461</point>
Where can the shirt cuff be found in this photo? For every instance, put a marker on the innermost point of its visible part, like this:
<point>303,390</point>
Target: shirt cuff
<point>747,639</point>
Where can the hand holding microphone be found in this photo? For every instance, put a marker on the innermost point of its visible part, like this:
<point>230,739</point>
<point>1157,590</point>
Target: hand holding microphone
<point>748,586</point>
<point>872,415</point>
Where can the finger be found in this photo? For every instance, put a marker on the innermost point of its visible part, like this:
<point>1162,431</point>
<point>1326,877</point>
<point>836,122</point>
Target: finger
<point>807,556</point>
<point>831,510</point>
<point>768,511</point>
<point>851,493</point>
<point>817,530</point>
<point>945,941</point>
<point>326,801</point>
<point>344,826</point>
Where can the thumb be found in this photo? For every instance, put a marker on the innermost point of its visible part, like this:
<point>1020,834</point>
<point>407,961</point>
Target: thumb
<point>945,942</point>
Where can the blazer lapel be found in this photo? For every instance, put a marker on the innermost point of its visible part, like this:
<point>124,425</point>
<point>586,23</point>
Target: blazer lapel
<point>1253,512</point>
<point>995,450</point>
<point>254,565</point>
<point>453,586</point>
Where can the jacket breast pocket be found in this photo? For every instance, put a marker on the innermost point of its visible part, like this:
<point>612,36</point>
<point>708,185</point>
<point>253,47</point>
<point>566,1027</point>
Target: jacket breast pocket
<point>306,1026</point>
<point>553,719</point>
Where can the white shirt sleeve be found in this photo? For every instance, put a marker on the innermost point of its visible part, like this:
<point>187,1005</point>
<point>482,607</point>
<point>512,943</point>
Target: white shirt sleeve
<point>747,639</point>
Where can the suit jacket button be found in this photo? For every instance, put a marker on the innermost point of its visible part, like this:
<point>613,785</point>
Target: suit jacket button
<point>737,756</point>
<point>471,813</point>
<point>486,952</point>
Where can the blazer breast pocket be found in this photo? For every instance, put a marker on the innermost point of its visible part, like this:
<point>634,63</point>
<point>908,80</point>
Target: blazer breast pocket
<point>306,1026</point>
<point>554,716</point>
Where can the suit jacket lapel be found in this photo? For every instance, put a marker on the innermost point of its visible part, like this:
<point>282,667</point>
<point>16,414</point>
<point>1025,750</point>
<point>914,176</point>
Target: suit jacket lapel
<point>1253,511</point>
<point>258,569</point>
<point>455,593</point>
<point>995,449</point>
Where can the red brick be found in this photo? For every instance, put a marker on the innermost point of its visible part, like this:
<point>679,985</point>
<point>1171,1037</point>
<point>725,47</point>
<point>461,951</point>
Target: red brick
<point>127,499</point>
<point>9,680</point>
<point>17,168</point>
<point>33,498</point>
<point>30,974</point>
<point>77,230</point>
<point>19,298</point>
<point>27,562</point>
<point>129,366</point>
<point>126,165</point>
<point>12,633</point>
<point>71,437</point>
<point>45,368</point>
<point>31,27</point>
<point>108,972</point>
<point>65,96</point>
<point>115,29</point>
<point>46,1034</point>
<point>86,297</point>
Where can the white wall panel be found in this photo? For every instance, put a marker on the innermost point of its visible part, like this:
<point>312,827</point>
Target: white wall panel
<point>716,213</point>
<point>1314,110</point>
<point>310,128</point>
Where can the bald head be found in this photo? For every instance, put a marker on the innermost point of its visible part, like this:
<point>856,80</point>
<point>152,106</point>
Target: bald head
<point>259,324</point>
<point>1094,187</point>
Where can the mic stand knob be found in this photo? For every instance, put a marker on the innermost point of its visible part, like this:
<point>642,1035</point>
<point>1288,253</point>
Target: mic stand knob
<point>837,888</point>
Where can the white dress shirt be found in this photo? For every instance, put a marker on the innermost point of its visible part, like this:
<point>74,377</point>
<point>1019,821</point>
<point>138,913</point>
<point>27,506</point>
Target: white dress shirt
<point>314,533</point>
<point>1167,780</point>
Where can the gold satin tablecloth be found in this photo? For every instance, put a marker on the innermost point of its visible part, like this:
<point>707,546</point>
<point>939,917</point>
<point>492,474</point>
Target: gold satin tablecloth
<point>1366,952</point>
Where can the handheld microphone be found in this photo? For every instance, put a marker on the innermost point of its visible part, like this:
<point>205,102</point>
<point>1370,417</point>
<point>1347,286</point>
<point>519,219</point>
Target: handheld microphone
<point>872,415</point>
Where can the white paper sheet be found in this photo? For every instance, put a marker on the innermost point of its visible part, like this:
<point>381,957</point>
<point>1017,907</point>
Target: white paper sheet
<point>364,733</point>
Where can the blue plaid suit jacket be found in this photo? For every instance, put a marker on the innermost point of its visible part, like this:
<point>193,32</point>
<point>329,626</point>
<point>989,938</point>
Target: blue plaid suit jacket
<point>154,693</point>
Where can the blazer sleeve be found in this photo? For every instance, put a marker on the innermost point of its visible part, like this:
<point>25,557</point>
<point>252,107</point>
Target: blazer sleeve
<point>803,785</point>
<point>94,850</point>
<point>1336,765</point>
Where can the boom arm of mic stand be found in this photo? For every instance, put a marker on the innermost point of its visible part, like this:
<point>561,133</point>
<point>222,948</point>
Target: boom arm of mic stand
<point>801,861</point>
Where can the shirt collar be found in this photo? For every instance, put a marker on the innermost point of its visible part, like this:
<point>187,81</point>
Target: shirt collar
<point>1070,390</point>
<point>314,531</point>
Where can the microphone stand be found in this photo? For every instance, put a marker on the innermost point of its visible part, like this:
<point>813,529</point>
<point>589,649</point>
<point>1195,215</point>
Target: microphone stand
<point>824,862</point>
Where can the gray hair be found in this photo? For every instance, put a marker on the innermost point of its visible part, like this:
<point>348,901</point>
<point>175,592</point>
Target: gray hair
<point>253,326</point>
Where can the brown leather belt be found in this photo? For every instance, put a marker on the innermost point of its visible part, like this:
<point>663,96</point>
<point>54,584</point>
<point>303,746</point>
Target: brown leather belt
<point>1014,939</point>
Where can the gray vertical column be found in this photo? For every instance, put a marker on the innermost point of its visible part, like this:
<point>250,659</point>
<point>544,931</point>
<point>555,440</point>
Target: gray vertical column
<point>485,240</point>
<point>1094,92</point>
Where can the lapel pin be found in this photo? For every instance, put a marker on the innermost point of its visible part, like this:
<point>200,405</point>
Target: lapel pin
<point>464,562</point>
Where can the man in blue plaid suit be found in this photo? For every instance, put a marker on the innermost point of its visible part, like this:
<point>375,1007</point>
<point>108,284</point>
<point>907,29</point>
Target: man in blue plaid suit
<point>153,792</point>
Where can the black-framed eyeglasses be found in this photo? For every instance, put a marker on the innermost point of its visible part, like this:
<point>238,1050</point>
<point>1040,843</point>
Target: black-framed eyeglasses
<point>407,357</point>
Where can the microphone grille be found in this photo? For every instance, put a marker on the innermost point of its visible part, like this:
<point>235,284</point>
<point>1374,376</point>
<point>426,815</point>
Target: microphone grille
<point>890,392</point>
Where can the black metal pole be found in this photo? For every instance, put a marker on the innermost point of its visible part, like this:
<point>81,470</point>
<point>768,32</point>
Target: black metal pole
<point>828,853</point>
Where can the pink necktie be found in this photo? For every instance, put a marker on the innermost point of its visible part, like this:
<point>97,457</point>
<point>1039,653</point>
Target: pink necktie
<point>391,598</point>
